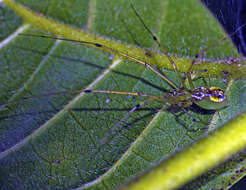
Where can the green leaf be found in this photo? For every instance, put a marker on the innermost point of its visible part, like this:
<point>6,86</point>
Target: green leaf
<point>53,142</point>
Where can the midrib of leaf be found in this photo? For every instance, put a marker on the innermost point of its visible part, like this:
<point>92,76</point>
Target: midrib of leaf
<point>226,141</point>
<point>213,68</point>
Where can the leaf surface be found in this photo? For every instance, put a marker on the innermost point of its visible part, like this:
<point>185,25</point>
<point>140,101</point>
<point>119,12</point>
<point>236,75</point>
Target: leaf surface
<point>54,142</point>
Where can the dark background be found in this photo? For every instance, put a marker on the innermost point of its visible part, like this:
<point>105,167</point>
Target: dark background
<point>232,16</point>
